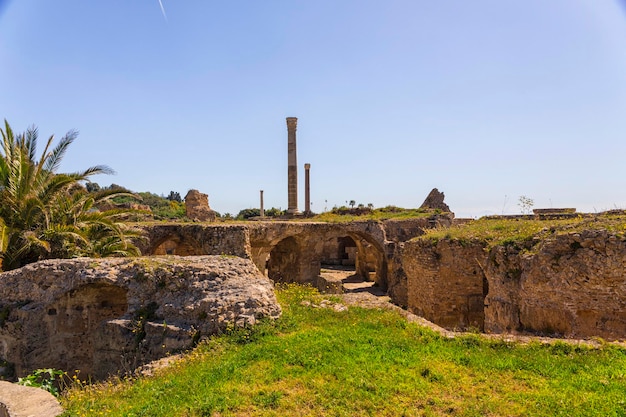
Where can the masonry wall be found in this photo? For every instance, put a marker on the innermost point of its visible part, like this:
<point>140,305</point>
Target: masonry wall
<point>445,283</point>
<point>195,239</point>
<point>570,285</point>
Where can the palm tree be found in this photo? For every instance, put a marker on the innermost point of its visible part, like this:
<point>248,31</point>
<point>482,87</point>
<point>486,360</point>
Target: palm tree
<point>44,213</point>
<point>79,228</point>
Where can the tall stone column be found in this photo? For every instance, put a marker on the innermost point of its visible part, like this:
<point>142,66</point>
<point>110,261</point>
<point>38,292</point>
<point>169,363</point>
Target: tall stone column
<point>292,166</point>
<point>262,210</point>
<point>307,188</point>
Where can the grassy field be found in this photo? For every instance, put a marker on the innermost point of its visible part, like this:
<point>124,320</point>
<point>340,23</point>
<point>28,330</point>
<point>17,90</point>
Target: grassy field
<point>319,362</point>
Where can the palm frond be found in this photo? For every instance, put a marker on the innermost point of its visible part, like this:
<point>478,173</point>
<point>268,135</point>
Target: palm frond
<point>50,161</point>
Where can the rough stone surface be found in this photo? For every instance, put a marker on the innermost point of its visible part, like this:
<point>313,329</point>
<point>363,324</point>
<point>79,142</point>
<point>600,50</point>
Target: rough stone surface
<point>571,285</point>
<point>295,251</point>
<point>446,284</point>
<point>434,201</point>
<point>195,239</point>
<point>197,207</point>
<point>22,401</point>
<point>103,316</point>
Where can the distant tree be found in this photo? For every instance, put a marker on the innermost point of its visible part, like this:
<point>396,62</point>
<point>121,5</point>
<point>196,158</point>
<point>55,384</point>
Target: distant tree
<point>352,203</point>
<point>162,208</point>
<point>92,187</point>
<point>370,206</point>
<point>525,204</point>
<point>117,187</point>
<point>274,212</point>
<point>174,196</point>
<point>247,213</point>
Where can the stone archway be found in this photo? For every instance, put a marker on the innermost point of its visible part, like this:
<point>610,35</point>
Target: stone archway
<point>175,245</point>
<point>365,256</point>
<point>283,264</point>
<point>338,252</point>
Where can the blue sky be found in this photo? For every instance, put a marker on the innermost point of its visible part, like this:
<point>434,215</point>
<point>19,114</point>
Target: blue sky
<point>486,100</point>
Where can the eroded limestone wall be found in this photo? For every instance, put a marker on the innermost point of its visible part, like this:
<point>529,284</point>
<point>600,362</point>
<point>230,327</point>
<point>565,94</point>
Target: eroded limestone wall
<point>195,239</point>
<point>103,316</point>
<point>571,285</point>
<point>445,283</point>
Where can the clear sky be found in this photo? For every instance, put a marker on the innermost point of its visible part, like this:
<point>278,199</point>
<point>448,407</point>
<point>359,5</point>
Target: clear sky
<point>486,100</point>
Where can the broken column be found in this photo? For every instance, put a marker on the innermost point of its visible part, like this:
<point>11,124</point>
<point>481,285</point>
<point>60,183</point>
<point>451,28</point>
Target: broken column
<point>292,166</point>
<point>307,189</point>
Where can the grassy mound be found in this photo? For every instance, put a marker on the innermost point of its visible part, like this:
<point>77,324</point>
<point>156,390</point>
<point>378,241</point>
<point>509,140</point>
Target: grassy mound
<point>524,231</point>
<point>316,361</point>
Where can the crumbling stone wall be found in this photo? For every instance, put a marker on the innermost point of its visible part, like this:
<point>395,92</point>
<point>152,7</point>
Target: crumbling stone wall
<point>571,285</point>
<point>446,284</point>
<point>435,201</point>
<point>103,316</point>
<point>299,259</point>
<point>195,239</point>
<point>197,207</point>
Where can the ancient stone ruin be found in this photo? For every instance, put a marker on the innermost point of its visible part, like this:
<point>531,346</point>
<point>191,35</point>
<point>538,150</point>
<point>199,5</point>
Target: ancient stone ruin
<point>106,316</point>
<point>103,316</point>
<point>197,207</point>
<point>434,201</point>
<point>571,285</point>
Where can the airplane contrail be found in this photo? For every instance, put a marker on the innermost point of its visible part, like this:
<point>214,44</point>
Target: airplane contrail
<point>163,10</point>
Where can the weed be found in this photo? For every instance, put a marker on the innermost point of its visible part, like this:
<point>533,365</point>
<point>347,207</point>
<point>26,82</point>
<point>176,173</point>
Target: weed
<point>267,399</point>
<point>47,379</point>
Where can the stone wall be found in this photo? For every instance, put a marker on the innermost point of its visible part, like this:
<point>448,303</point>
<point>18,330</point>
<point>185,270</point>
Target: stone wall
<point>197,207</point>
<point>294,251</point>
<point>571,285</point>
<point>195,239</point>
<point>446,284</point>
<point>103,316</point>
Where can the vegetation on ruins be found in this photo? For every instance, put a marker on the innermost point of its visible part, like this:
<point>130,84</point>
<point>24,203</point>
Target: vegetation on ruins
<point>162,208</point>
<point>526,204</point>
<point>528,230</point>
<point>45,214</point>
<point>346,214</point>
<point>254,212</point>
<point>318,361</point>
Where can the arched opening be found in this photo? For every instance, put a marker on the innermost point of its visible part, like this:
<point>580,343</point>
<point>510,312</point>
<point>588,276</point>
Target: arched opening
<point>354,262</point>
<point>283,264</point>
<point>338,251</point>
<point>174,245</point>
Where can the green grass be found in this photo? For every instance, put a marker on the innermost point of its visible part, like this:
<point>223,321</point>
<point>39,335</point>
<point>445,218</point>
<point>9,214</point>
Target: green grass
<point>384,213</point>
<point>503,231</point>
<point>318,362</point>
